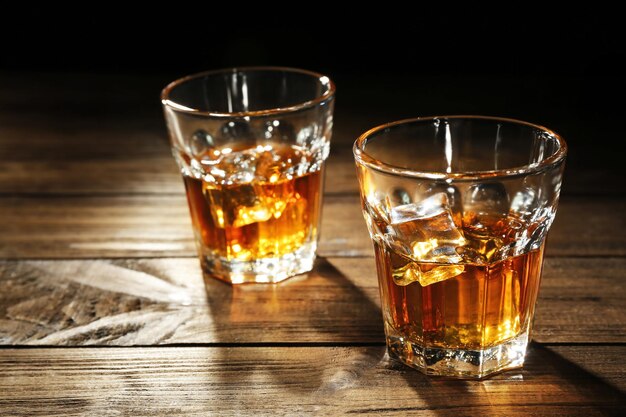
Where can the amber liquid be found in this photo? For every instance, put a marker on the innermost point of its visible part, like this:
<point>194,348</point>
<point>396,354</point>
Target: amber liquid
<point>480,305</point>
<point>268,216</point>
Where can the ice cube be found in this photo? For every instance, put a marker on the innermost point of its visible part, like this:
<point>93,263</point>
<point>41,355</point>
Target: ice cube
<point>236,167</point>
<point>405,271</point>
<point>440,273</point>
<point>269,166</point>
<point>239,193</point>
<point>278,163</point>
<point>453,193</point>
<point>427,208</point>
<point>246,204</point>
<point>428,229</point>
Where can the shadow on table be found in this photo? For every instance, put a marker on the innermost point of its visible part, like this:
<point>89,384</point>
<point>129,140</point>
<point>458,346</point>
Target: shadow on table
<point>576,376</point>
<point>321,307</point>
<point>547,383</point>
<point>327,309</point>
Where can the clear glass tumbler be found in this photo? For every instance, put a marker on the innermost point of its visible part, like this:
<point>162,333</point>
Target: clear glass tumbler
<point>458,208</point>
<point>251,145</point>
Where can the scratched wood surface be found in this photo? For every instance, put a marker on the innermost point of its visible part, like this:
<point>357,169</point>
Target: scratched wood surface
<point>104,310</point>
<point>293,381</point>
<point>166,301</point>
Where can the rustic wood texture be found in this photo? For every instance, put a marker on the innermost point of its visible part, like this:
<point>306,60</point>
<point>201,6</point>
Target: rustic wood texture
<point>151,225</point>
<point>96,251</point>
<point>142,165</point>
<point>87,163</point>
<point>164,301</point>
<point>557,381</point>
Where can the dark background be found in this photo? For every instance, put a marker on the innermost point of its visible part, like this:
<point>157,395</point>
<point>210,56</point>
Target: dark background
<point>563,71</point>
<point>462,41</point>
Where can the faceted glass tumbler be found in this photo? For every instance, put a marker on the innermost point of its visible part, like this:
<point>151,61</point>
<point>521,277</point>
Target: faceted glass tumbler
<point>251,145</point>
<point>458,208</point>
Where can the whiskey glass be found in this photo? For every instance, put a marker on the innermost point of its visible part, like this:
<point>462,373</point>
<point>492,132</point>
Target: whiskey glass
<point>251,145</point>
<point>458,209</point>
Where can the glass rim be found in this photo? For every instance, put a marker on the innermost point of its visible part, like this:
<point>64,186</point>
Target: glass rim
<point>323,79</point>
<point>362,157</point>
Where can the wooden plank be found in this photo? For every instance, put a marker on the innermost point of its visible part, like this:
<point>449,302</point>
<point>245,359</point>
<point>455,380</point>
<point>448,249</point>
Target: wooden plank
<point>164,301</point>
<point>557,381</point>
<point>70,155</point>
<point>132,157</point>
<point>150,225</point>
<point>94,227</point>
<point>125,175</point>
<point>156,175</point>
<point>137,160</point>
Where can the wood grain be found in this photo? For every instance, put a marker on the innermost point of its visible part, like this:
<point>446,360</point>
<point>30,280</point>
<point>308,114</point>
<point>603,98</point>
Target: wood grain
<point>138,161</point>
<point>96,249</point>
<point>150,225</point>
<point>164,301</point>
<point>557,381</point>
<point>113,161</point>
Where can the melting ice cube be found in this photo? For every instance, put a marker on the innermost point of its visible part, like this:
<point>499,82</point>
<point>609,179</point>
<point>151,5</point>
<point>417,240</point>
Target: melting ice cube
<point>428,228</point>
<point>453,193</point>
<point>421,237</point>
<point>240,194</point>
<point>247,203</point>
<point>279,162</point>
<point>405,271</point>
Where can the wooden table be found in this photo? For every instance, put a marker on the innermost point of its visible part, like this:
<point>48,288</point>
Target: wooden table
<point>104,311</point>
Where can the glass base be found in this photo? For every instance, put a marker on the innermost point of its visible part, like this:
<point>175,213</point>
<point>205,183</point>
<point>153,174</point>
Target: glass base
<point>458,363</point>
<point>264,270</point>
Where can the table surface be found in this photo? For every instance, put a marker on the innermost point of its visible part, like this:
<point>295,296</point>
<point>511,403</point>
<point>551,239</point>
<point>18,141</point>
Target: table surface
<point>104,311</point>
